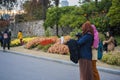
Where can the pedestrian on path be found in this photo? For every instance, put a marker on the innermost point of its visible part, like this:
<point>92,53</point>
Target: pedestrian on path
<point>20,37</point>
<point>6,40</point>
<point>95,53</point>
<point>85,61</point>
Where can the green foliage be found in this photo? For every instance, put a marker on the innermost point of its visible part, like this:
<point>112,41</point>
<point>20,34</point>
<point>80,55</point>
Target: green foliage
<point>89,8</point>
<point>101,36</point>
<point>75,31</point>
<point>47,32</point>
<point>33,46</point>
<point>52,17</point>
<point>44,48</point>
<point>75,16</point>
<point>39,47</point>
<point>104,5</point>
<point>114,13</point>
<point>64,16</point>
<point>72,20</point>
<point>117,39</point>
<point>111,58</point>
<point>101,22</point>
<point>97,14</point>
<point>72,17</point>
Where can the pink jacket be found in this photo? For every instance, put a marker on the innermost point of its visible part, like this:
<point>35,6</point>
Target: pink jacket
<point>96,37</point>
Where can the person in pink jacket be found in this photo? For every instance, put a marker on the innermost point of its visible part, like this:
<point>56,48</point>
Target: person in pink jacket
<point>94,53</point>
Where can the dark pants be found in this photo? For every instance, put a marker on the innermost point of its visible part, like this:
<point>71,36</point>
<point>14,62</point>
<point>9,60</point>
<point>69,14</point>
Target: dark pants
<point>6,42</point>
<point>1,42</point>
<point>105,47</point>
<point>21,42</point>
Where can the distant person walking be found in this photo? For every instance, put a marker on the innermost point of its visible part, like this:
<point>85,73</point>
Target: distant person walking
<point>20,37</point>
<point>6,40</point>
<point>85,61</point>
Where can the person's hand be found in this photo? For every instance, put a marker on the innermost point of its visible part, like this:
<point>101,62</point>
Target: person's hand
<point>104,42</point>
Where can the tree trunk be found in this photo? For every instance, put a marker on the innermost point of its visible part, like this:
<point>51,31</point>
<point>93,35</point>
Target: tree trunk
<point>96,1</point>
<point>44,8</point>
<point>57,30</point>
<point>57,4</point>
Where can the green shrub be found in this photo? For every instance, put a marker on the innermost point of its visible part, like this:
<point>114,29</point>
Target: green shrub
<point>101,36</point>
<point>113,59</point>
<point>74,32</point>
<point>47,32</point>
<point>105,57</point>
<point>117,39</point>
<point>39,47</point>
<point>44,48</point>
<point>33,46</point>
<point>118,62</point>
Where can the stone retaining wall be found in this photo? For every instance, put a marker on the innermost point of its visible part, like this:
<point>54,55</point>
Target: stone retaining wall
<point>28,28</point>
<point>35,29</point>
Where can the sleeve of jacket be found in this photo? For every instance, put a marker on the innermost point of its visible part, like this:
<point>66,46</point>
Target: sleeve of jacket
<point>83,39</point>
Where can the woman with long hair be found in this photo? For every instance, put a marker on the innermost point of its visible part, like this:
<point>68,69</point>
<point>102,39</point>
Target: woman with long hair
<point>85,43</point>
<point>95,53</point>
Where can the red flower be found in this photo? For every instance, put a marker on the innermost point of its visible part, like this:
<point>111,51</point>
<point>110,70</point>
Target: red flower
<point>46,42</point>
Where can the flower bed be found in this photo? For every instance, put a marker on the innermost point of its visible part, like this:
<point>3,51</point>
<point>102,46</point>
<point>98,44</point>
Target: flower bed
<point>50,44</point>
<point>40,41</point>
<point>16,42</point>
<point>59,49</point>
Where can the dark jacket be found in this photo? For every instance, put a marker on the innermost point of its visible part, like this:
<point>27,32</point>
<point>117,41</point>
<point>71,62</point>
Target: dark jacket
<point>85,43</point>
<point>74,50</point>
<point>1,36</point>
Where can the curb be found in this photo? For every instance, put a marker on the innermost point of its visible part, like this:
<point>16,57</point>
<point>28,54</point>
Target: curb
<point>108,70</point>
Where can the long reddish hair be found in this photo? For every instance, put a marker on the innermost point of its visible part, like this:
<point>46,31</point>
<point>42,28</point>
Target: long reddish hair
<point>87,28</point>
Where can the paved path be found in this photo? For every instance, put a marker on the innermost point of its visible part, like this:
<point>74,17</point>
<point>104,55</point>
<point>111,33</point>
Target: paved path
<point>19,67</point>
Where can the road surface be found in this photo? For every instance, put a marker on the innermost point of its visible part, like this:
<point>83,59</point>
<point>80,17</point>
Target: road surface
<point>19,67</point>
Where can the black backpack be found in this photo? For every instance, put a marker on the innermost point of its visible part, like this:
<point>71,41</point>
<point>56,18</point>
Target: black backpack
<point>74,50</point>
